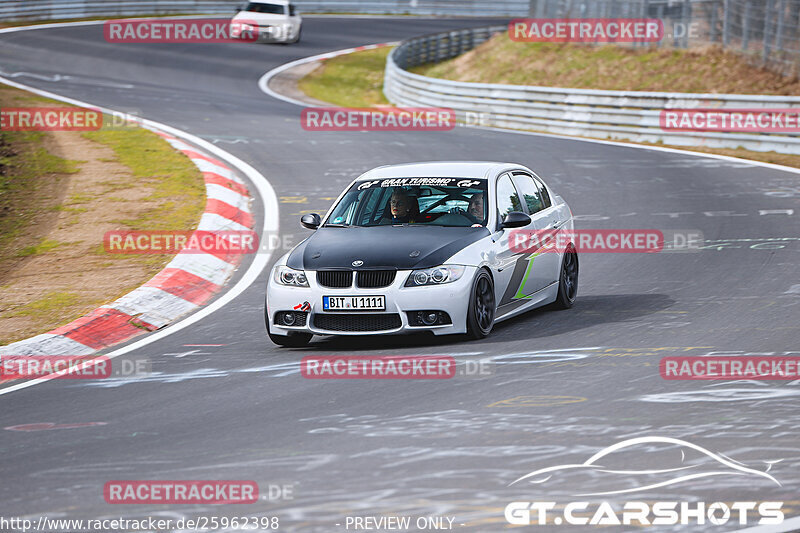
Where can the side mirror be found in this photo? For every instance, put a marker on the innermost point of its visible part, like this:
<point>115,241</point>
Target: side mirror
<point>312,221</point>
<point>515,219</point>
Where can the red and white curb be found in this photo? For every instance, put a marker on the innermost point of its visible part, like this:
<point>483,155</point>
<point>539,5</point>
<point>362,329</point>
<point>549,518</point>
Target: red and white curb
<point>186,283</point>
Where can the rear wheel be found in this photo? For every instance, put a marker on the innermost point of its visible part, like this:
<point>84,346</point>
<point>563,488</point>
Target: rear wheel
<point>568,280</point>
<point>480,315</point>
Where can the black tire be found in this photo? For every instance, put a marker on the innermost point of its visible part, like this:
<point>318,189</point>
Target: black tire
<point>299,34</point>
<point>480,314</point>
<point>568,279</point>
<point>293,340</point>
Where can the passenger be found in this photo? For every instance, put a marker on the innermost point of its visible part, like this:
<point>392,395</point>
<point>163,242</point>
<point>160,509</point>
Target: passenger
<point>476,208</point>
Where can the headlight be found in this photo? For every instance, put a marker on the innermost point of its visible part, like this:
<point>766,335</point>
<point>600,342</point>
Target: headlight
<point>435,276</point>
<point>291,277</point>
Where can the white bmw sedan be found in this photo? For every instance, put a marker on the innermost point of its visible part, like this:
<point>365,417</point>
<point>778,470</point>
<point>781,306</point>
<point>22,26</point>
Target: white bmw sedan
<point>424,247</point>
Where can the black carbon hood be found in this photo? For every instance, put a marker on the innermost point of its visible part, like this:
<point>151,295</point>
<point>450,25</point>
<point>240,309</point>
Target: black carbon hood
<point>382,247</point>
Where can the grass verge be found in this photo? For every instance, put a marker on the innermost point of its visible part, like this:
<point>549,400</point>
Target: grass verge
<point>710,69</point>
<point>351,81</point>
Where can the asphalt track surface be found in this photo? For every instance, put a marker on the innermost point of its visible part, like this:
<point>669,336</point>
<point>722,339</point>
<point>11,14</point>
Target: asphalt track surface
<point>562,385</point>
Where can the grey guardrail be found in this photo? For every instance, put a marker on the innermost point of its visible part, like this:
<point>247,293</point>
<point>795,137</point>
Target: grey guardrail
<point>628,115</point>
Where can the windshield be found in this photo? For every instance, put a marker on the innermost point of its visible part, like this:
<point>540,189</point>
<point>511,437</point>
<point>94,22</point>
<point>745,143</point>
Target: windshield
<point>457,202</point>
<point>258,7</point>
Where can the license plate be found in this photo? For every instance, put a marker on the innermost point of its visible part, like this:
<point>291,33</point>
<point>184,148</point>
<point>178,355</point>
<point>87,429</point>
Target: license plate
<point>354,303</point>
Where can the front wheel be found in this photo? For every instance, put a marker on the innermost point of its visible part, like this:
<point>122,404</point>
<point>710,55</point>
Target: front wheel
<point>568,280</point>
<point>480,315</point>
<point>293,340</point>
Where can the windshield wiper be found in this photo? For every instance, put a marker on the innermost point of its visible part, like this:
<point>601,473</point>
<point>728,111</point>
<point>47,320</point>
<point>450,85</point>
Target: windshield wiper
<point>337,225</point>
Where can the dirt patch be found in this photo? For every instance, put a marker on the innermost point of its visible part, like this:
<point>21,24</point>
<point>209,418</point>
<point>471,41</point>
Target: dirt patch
<point>54,268</point>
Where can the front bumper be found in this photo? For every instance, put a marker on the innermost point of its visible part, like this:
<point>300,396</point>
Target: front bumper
<point>452,298</point>
<point>279,33</point>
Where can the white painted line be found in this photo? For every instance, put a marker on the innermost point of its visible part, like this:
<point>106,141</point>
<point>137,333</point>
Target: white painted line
<point>263,189</point>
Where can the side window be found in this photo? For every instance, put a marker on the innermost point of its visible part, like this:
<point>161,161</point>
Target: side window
<point>507,197</point>
<point>543,193</point>
<point>292,12</point>
<point>530,192</point>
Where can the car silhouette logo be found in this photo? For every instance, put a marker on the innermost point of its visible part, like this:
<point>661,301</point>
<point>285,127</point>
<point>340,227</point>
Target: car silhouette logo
<point>358,263</point>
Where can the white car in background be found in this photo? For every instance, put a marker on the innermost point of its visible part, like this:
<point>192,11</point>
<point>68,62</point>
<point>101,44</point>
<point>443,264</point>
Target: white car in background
<point>276,21</point>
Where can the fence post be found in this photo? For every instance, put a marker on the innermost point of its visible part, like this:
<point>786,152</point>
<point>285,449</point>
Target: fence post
<point>726,25</point>
<point>766,43</point>
<point>712,21</point>
<point>779,31</point>
<point>746,25</point>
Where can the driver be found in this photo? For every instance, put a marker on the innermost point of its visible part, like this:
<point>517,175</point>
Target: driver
<point>404,208</point>
<point>476,208</point>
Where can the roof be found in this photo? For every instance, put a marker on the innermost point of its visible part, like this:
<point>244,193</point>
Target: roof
<point>279,2</point>
<point>438,169</point>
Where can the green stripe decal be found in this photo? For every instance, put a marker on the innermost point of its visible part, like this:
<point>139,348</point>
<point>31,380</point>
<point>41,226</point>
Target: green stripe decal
<point>520,294</point>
